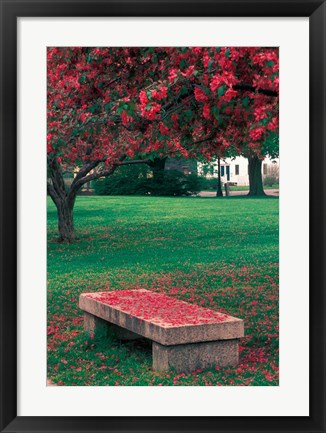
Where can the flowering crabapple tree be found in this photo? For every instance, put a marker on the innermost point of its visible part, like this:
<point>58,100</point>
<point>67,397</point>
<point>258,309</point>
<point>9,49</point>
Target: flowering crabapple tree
<point>113,106</point>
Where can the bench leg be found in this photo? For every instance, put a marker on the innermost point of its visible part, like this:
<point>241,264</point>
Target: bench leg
<point>186,358</point>
<point>93,324</point>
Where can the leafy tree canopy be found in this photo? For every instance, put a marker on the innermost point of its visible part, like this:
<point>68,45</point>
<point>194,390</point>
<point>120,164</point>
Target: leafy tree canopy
<point>106,105</point>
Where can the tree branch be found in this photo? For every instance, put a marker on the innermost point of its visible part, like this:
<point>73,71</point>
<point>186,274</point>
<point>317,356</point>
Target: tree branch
<point>250,88</point>
<point>93,176</point>
<point>179,100</point>
<point>133,161</point>
<point>85,169</point>
<point>207,138</point>
<point>56,177</point>
<point>78,183</point>
<point>52,193</point>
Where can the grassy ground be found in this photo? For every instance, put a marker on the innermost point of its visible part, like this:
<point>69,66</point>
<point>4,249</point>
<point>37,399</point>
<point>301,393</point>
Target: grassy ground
<point>218,253</point>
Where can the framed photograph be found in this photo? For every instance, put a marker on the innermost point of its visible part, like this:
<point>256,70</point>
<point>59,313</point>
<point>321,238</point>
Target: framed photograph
<point>162,216</point>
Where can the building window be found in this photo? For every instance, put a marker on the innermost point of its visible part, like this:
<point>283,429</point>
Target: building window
<point>236,169</point>
<point>227,169</point>
<point>222,170</point>
<point>264,168</point>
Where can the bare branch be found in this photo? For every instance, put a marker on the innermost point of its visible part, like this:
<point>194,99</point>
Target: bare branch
<point>93,176</point>
<point>85,170</point>
<point>207,138</point>
<point>78,183</point>
<point>134,161</point>
<point>250,88</point>
<point>52,193</point>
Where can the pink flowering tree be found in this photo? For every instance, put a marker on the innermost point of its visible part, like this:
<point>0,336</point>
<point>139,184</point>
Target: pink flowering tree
<point>113,106</point>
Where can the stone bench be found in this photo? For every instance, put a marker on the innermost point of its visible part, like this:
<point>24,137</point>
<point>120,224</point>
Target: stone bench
<point>185,337</point>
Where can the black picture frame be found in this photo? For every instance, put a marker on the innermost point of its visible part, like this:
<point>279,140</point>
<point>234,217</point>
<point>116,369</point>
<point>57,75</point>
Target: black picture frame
<point>10,11</point>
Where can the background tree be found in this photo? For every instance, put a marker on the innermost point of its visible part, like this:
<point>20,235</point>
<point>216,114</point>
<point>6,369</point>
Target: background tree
<point>113,106</point>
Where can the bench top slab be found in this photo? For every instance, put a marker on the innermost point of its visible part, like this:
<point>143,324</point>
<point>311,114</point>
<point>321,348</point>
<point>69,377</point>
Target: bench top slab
<point>161,318</point>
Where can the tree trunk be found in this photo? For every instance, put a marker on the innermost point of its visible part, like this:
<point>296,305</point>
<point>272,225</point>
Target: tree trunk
<point>158,166</point>
<point>63,199</point>
<point>255,177</point>
<point>219,192</point>
<point>66,220</point>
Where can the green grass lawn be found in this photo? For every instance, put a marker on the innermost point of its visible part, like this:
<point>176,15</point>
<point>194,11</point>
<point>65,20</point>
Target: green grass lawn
<point>218,253</point>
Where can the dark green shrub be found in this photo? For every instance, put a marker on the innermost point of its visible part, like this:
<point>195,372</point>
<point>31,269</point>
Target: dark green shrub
<point>126,180</point>
<point>139,180</point>
<point>208,183</point>
<point>173,183</point>
<point>270,180</point>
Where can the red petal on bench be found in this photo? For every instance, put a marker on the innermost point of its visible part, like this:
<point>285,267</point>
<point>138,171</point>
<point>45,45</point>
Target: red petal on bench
<point>158,308</point>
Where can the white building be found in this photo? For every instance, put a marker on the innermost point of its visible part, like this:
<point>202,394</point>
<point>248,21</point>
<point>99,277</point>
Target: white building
<point>235,170</point>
